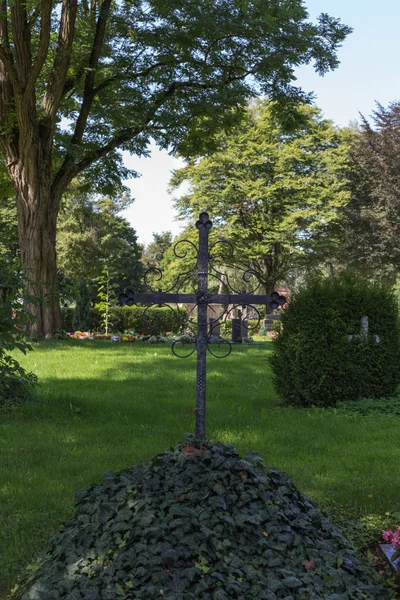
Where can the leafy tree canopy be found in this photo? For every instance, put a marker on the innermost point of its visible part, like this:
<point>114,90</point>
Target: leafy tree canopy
<point>370,229</point>
<point>81,81</point>
<point>271,192</point>
<point>91,235</point>
<point>153,253</point>
<point>118,74</point>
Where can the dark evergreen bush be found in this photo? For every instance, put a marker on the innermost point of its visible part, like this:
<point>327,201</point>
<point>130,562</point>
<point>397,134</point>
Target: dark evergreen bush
<point>315,362</point>
<point>67,318</point>
<point>200,522</point>
<point>82,320</point>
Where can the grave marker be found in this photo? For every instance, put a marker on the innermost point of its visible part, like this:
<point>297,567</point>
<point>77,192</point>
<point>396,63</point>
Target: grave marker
<point>202,299</point>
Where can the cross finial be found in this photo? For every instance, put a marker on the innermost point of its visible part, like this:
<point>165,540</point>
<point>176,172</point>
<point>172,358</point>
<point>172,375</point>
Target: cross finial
<point>204,221</point>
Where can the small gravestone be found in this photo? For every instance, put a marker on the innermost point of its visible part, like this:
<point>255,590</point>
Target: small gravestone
<point>364,336</point>
<point>244,329</point>
<point>388,551</point>
<point>236,330</point>
<point>214,319</point>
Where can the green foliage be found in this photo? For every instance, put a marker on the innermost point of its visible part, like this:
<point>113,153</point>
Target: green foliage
<point>370,406</point>
<point>189,67</point>
<point>199,521</point>
<point>91,234</point>
<point>67,318</point>
<point>8,218</point>
<point>151,321</point>
<point>315,363</point>
<point>154,252</point>
<point>16,385</point>
<point>365,531</point>
<point>97,79</point>
<point>107,297</point>
<point>369,229</point>
<point>141,70</point>
<point>271,192</point>
<point>8,227</point>
<point>82,320</point>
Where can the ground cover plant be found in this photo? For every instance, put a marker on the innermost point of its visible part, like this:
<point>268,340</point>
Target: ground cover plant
<point>109,406</point>
<point>200,522</point>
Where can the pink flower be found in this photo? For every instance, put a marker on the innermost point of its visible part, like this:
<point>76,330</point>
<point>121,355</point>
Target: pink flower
<point>396,539</point>
<point>388,536</point>
<point>392,537</point>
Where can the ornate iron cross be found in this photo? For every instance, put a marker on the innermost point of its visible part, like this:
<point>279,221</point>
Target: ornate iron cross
<point>202,299</point>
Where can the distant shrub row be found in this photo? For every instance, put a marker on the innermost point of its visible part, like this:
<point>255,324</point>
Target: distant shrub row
<point>153,321</point>
<point>131,317</point>
<point>323,355</point>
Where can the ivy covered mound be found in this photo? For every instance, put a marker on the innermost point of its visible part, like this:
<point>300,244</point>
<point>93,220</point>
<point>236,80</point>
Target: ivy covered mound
<point>200,522</point>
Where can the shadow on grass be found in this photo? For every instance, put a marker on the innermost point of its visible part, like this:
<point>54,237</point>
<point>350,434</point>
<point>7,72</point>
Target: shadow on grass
<point>124,405</point>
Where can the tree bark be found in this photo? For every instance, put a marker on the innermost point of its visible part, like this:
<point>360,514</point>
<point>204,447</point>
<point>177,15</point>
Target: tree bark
<point>37,222</point>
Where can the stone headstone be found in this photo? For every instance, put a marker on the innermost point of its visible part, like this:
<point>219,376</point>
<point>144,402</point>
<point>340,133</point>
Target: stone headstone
<point>236,330</point>
<point>363,336</point>
<point>214,314</point>
<point>244,329</point>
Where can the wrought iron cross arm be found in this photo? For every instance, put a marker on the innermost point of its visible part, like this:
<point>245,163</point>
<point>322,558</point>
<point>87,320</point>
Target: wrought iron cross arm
<point>130,298</point>
<point>273,300</point>
<point>201,298</point>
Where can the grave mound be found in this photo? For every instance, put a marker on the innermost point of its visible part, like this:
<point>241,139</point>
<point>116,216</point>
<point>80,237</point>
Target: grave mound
<point>199,521</point>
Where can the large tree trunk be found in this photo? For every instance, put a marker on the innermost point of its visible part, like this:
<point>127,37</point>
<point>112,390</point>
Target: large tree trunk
<point>37,222</point>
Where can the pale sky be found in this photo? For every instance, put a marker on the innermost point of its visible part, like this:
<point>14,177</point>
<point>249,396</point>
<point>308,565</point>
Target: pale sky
<point>369,72</point>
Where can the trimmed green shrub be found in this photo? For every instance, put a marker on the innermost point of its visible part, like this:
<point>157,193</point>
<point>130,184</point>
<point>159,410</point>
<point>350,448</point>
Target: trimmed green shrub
<point>200,522</point>
<point>322,355</point>
<point>156,320</point>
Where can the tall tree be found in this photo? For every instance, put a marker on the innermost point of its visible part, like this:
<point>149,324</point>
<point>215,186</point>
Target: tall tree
<point>154,252</point>
<point>270,191</point>
<point>80,80</point>
<point>91,235</point>
<point>370,229</point>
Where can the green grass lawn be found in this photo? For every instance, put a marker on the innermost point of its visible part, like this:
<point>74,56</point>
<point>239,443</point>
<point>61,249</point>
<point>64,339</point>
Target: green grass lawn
<point>106,406</point>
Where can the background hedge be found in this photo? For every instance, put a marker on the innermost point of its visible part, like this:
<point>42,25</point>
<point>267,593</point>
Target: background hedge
<point>316,364</point>
<point>129,318</point>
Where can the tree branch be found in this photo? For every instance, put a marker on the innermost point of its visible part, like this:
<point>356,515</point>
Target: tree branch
<point>34,16</point>
<point>45,25</point>
<point>21,39</point>
<point>9,71</point>
<point>58,75</point>
<point>89,91</point>
<point>70,169</point>
<point>121,76</point>
<point>7,90</point>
